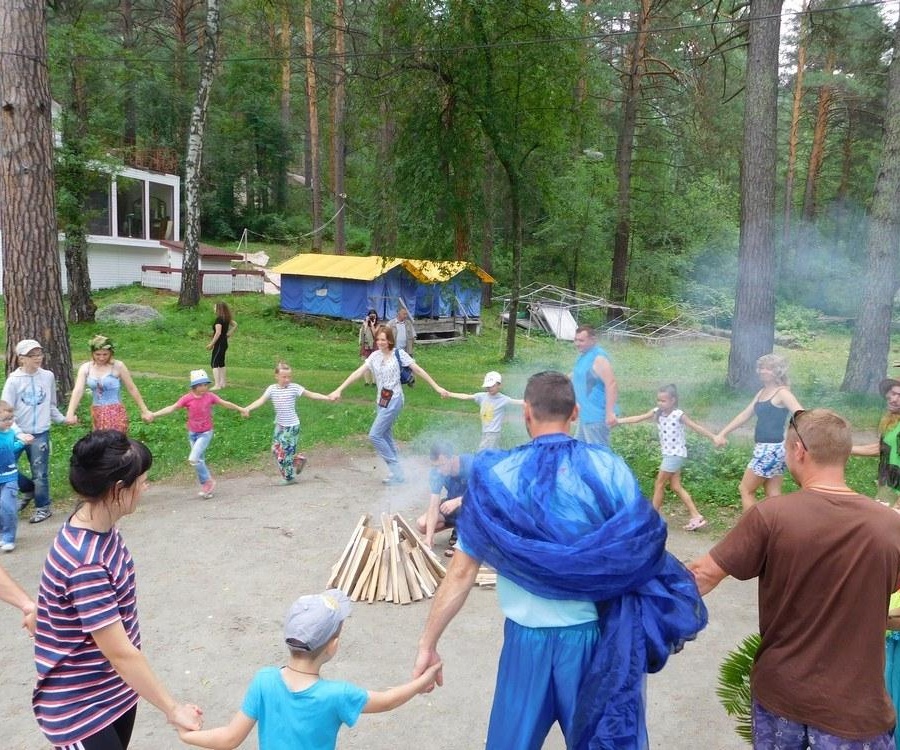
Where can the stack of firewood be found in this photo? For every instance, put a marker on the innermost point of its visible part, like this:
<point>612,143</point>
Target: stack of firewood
<point>387,563</point>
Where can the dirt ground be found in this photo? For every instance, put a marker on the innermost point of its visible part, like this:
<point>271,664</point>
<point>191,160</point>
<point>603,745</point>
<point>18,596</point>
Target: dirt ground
<point>215,578</point>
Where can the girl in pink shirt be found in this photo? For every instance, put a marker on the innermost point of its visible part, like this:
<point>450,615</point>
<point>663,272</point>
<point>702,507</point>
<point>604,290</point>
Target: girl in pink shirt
<point>199,403</point>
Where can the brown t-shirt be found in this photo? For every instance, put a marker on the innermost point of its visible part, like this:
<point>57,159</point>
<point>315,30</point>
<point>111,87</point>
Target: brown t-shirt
<point>827,564</point>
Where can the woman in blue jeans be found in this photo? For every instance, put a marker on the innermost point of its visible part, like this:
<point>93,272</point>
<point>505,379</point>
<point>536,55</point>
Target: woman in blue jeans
<point>384,364</point>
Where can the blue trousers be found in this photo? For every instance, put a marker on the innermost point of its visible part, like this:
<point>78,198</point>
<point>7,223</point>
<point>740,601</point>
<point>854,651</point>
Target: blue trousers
<point>38,452</point>
<point>199,443</point>
<point>9,511</point>
<point>381,433</point>
<point>538,678</point>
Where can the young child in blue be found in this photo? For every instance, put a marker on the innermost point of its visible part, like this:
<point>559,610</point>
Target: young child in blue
<point>12,442</point>
<point>492,407</point>
<point>294,706</point>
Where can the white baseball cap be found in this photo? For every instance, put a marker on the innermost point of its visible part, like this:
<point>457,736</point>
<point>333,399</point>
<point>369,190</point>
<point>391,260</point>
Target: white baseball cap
<point>199,377</point>
<point>27,345</point>
<point>492,378</point>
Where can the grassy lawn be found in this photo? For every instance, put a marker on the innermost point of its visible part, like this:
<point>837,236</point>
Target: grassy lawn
<point>322,353</point>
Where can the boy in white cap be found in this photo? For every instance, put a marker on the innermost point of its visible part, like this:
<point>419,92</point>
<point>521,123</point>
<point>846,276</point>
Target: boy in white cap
<point>199,403</point>
<point>31,391</point>
<point>492,406</point>
<point>294,706</point>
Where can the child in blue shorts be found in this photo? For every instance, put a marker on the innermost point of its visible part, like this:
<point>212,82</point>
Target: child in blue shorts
<point>294,705</point>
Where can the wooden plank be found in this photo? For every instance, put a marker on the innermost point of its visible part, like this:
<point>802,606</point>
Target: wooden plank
<point>394,585</point>
<point>384,574</point>
<point>415,591</point>
<point>427,590</point>
<point>422,567</point>
<point>438,570</point>
<point>362,582</point>
<point>337,568</point>
<point>398,571</point>
<point>369,594</point>
<point>353,571</point>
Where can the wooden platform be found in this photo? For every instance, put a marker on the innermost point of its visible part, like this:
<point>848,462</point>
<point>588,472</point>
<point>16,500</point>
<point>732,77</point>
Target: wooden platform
<point>445,330</point>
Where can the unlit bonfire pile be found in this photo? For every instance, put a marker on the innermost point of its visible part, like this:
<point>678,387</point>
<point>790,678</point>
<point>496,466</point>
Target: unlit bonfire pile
<point>387,563</point>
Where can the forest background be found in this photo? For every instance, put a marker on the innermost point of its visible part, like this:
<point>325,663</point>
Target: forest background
<point>607,148</point>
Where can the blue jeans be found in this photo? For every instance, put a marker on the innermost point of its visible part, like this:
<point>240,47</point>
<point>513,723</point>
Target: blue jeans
<point>9,511</point>
<point>38,452</point>
<point>381,433</point>
<point>199,443</point>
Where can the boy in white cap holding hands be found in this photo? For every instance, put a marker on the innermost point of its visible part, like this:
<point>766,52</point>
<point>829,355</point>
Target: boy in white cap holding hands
<point>294,706</point>
<point>199,402</point>
<point>31,391</point>
<point>492,407</point>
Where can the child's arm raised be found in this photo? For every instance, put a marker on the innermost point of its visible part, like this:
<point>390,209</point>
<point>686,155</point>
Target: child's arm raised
<point>460,396</point>
<point>316,396</point>
<point>636,418</point>
<point>388,700</point>
<point>164,411</point>
<point>229,405</point>
<point>256,404</point>
<point>221,738</point>
<point>698,428</point>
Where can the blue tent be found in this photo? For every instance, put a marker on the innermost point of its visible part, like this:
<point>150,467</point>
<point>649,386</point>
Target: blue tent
<point>344,286</point>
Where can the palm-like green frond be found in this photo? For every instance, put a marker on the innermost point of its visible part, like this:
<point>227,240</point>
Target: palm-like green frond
<point>734,683</point>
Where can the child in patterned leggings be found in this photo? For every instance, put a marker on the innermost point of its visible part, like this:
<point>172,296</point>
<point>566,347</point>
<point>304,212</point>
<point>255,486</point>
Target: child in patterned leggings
<point>284,394</point>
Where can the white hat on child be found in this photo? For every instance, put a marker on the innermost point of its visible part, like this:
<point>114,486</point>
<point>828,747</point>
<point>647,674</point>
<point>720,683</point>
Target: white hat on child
<point>199,377</point>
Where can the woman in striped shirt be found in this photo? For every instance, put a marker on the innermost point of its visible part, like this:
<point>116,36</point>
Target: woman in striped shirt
<point>284,394</point>
<point>87,644</point>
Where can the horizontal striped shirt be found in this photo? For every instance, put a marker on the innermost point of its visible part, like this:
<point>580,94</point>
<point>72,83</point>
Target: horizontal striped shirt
<point>87,584</point>
<point>284,400</point>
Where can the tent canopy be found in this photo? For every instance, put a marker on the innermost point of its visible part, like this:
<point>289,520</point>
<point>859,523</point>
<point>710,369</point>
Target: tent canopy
<point>346,286</point>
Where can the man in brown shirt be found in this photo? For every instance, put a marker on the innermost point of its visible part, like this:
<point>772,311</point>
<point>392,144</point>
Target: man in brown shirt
<point>827,560</point>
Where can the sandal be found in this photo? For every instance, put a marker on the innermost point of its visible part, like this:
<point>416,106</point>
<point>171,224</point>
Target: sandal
<point>697,522</point>
<point>449,551</point>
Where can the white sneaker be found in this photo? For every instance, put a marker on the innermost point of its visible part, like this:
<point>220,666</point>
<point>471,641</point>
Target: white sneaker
<point>7,546</point>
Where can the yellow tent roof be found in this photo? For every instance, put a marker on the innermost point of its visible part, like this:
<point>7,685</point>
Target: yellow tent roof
<point>371,267</point>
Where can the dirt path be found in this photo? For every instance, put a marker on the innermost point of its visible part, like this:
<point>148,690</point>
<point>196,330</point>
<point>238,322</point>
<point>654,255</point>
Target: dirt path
<point>216,576</point>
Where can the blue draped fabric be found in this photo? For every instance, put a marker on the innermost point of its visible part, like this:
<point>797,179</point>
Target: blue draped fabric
<point>567,520</point>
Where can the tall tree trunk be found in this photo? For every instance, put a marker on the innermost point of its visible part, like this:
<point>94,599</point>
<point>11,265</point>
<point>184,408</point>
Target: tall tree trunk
<point>820,131</point>
<point>32,288</point>
<point>585,54</point>
<point>794,134</point>
<point>487,230</point>
<point>631,86</point>
<point>190,277</point>
<point>129,97</point>
<point>753,328</point>
<point>871,340</point>
<point>338,115</point>
<point>281,180</point>
<point>384,234</point>
<point>515,206</point>
<point>315,181</point>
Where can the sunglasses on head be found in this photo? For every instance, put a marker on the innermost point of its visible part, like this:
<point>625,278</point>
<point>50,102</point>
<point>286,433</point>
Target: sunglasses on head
<point>792,422</point>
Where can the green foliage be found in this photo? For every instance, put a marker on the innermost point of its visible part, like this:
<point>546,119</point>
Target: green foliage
<point>796,323</point>
<point>734,684</point>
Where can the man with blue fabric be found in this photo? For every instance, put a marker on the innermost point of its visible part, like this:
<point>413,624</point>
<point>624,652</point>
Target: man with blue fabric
<point>593,602</point>
<point>596,390</point>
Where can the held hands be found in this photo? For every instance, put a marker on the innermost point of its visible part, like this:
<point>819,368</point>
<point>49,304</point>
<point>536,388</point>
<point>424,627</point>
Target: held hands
<point>335,395</point>
<point>29,618</point>
<point>720,440</point>
<point>186,717</point>
<point>26,438</point>
<point>426,660</point>
<point>611,420</point>
<point>431,676</point>
<point>147,416</point>
<point>444,392</point>
<point>71,420</point>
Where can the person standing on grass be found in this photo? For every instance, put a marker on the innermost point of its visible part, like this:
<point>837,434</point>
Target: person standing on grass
<point>585,621</point>
<point>404,331</point>
<point>888,446</point>
<point>670,423</point>
<point>87,645</point>
<point>31,391</point>
<point>773,406</point>
<point>384,363</point>
<point>223,326</point>
<point>284,395</point>
<point>104,376</point>
<point>12,442</point>
<point>199,403</point>
<point>367,341</point>
<point>596,390</point>
<point>827,559</point>
<point>491,407</point>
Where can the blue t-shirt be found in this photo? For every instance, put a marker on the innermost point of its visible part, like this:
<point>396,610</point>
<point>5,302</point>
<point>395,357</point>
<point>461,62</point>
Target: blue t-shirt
<point>590,391</point>
<point>308,719</point>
